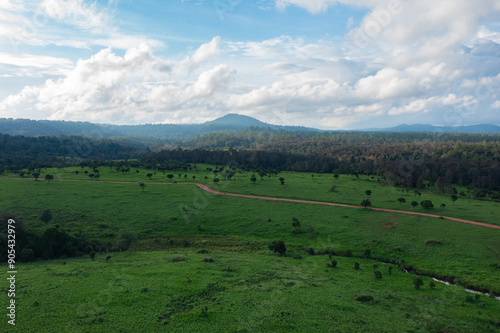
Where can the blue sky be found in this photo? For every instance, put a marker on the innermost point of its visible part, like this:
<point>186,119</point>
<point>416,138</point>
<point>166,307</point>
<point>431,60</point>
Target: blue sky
<point>338,64</point>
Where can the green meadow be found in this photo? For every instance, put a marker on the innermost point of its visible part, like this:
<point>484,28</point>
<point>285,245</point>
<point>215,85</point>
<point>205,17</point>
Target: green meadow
<point>180,291</point>
<point>162,283</point>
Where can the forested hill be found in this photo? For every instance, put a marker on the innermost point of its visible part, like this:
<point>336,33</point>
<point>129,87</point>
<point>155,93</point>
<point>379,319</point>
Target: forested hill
<point>173,132</point>
<point>182,133</point>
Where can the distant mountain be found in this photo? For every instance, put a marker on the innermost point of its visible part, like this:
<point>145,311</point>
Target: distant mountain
<point>470,129</point>
<point>176,132</point>
<point>229,122</point>
<point>237,120</point>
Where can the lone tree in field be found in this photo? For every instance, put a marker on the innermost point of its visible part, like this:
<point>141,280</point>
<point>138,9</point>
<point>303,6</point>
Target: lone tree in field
<point>296,226</point>
<point>142,185</point>
<point>414,204</point>
<point>454,198</point>
<point>282,180</point>
<point>36,175</point>
<point>216,180</point>
<point>368,193</point>
<point>253,179</point>
<point>427,204</point>
<point>401,200</point>
<point>46,216</point>
<point>170,176</point>
<point>149,175</point>
<point>336,176</point>
<point>278,247</point>
<point>417,282</point>
<point>366,203</point>
<point>49,177</point>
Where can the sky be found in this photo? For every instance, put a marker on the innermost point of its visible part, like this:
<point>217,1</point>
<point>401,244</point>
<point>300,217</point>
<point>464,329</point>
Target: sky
<point>330,64</point>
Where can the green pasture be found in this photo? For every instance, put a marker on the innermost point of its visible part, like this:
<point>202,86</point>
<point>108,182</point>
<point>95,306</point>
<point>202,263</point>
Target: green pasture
<point>172,216</point>
<point>182,292</point>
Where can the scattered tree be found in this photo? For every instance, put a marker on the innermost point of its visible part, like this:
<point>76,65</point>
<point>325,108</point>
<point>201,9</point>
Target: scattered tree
<point>282,180</point>
<point>149,175</point>
<point>454,198</point>
<point>414,204</point>
<point>417,282</point>
<point>216,180</point>
<point>377,274</point>
<point>253,179</point>
<point>427,204</point>
<point>36,175</point>
<point>49,177</point>
<point>336,176</point>
<point>366,203</point>
<point>432,285</point>
<point>356,265</point>
<point>401,200</point>
<point>368,192</point>
<point>170,176</point>
<point>142,185</point>
<point>278,247</point>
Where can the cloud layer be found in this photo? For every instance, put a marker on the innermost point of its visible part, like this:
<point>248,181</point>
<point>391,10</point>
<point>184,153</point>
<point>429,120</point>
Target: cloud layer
<point>402,62</point>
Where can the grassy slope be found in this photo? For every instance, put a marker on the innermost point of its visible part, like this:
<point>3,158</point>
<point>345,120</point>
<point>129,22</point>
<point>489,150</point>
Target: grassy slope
<point>100,210</point>
<point>147,292</point>
<point>303,186</point>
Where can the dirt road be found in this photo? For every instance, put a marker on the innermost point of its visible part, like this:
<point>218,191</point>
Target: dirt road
<point>210,190</point>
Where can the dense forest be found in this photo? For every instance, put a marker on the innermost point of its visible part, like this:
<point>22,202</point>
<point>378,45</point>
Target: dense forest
<point>20,152</point>
<point>404,159</point>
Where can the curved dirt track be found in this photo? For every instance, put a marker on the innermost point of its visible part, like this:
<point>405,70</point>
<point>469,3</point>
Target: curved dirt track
<point>210,190</point>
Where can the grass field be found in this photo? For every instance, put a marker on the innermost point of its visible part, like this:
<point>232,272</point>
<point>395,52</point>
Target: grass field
<point>158,291</point>
<point>303,186</point>
<point>247,288</point>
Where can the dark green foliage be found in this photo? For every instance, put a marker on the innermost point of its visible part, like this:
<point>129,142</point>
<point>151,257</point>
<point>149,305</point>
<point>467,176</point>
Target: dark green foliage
<point>401,200</point>
<point>432,285</point>
<point>378,275</point>
<point>427,204</point>
<point>125,239</point>
<point>356,266</point>
<point>364,298</point>
<point>208,259</point>
<point>92,255</point>
<point>366,203</point>
<point>282,180</point>
<point>253,179</point>
<point>417,282</point>
<point>454,198</point>
<point>368,192</point>
<point>278,247</point>
<point>367,254</point>
<point>46,216</point>
<point>333,264</point>
<point>414,204</point>
<point>27,255</point>
<point>179,259</point>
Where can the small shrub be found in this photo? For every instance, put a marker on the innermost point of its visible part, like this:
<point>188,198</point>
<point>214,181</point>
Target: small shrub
<point>333,264</point>
<point>356,266</point>
<point>202,251</point>
<point>417,282</point>
<point>173,218</point>
<point>278,247</point>
<point>310,251</point>
<point>208,259</point>
<point>144,290</point>
<point>367,254</point>
<point>378,275</point>
<point>364,298</point>
<point>432,285</point>
<point>432,242</point>
<point>179,259</point>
